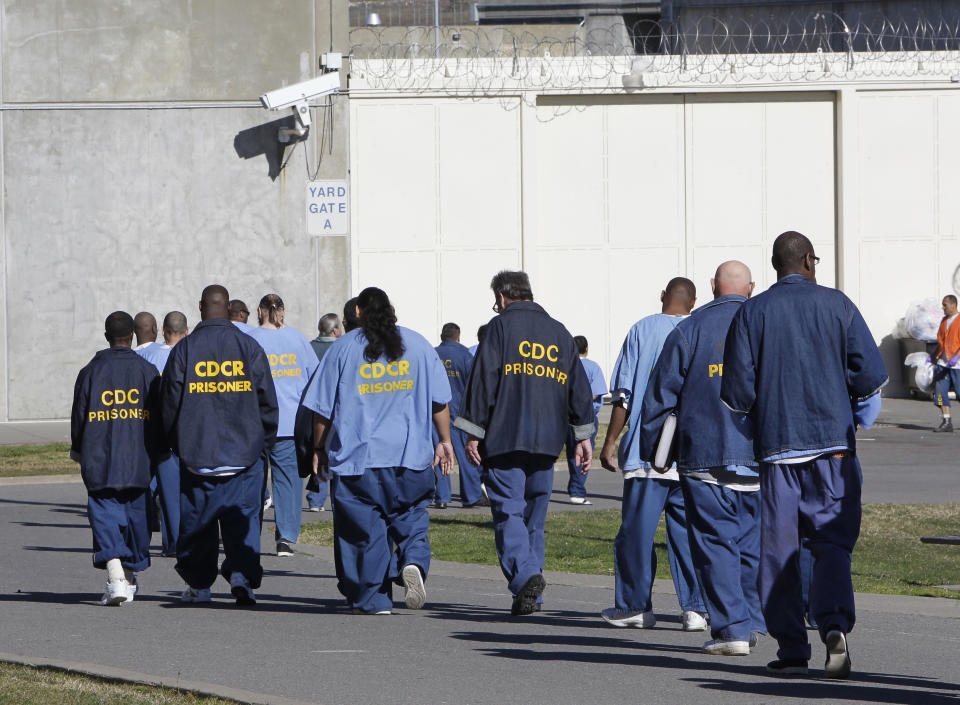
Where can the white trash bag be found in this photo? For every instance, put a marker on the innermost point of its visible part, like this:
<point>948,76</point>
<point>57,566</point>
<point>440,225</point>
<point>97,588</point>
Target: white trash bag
<point>925,369</point>
<point>923,320</point>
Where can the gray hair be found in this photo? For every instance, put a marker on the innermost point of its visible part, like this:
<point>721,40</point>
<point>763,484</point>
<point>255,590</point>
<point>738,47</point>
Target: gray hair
<point>328,323</point>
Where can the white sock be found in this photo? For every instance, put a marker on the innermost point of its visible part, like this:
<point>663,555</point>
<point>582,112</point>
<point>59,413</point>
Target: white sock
<point>946,415</point>
<point>114,570</point>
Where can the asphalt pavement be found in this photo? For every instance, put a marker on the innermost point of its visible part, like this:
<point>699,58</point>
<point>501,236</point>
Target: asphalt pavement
<point>300,645</point>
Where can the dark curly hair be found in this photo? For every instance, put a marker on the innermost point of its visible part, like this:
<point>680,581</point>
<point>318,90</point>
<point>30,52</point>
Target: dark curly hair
<point>379,323</point>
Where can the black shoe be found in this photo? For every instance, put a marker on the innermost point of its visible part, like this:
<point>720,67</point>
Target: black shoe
<point>284,549</point>
<point>946,426</point>
<point>837,664</point>
<point>788,667</point>
<point>526,600</point>
<point>439,505</point>
<point>482,502</point>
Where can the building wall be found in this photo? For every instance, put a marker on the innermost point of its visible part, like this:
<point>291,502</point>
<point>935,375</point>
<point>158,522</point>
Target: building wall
<point>603,198</point>
<point>122,185</point>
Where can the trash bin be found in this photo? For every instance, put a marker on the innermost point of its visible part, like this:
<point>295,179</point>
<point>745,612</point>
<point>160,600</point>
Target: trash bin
<point>911,345</point>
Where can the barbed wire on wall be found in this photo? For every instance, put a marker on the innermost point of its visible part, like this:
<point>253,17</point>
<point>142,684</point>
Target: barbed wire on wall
<point>603,53</point>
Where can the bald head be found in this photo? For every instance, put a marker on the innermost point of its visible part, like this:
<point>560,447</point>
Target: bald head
<point>174,327</point>
<point>145,328</point>
<point>793,254</point>
<point>679,296</point>
<point>213,302</point>
<point>732,277</point>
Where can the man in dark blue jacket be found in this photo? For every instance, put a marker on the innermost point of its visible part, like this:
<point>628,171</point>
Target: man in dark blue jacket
<point>457,360</point>
<point>114,435</point>
<point>800,359</point>
<point>525,389</point>
<point>220,416</point>
<point>718,474</point>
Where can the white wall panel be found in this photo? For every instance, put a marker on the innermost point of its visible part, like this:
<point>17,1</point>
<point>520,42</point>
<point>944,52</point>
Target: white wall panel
<point>479,175</point>
<point>394,180</point>
<point>799,176</point>
<point>948,164</point>
<point>725,197</point>
<point>571,178</point>
<point>897,169</point>
<point>410,280</point>
<point>645,173</point>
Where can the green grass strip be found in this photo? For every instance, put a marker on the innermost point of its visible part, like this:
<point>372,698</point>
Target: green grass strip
<point>888,559</point>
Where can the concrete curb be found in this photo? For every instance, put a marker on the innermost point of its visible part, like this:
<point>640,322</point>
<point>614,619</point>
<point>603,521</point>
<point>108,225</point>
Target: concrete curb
<point>135,677</point>
<point>40,479</point>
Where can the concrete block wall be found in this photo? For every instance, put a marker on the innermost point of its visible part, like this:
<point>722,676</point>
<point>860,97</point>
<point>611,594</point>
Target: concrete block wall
<point>122,187</point>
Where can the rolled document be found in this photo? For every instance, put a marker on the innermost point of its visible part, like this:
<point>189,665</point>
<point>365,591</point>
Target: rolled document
<point>664,456</point>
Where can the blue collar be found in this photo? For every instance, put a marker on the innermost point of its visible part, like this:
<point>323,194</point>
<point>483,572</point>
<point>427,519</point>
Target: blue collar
<point>794,279</point>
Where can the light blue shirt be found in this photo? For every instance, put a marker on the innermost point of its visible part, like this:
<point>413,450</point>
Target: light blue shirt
<point>156,354</point>
<point>292,361</point>
<point>639,354</point>
<point>598,385</point>
<point>381,412</point>
<point>245,327</point>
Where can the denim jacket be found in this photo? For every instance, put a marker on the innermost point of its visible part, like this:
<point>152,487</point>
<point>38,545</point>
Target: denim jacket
<point>798,357</point>
<point>686,379</point>
<point>526,387</point>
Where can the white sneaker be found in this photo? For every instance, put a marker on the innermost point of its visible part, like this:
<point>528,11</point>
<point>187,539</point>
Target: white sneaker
<point>117,592</point>
<point>837,664</point>
<point>483,489</point>
<point>314,509</point>
<point>190,594</point>
<point>134,585</point>
<point>693,621</point>
<point>628,618</point>
<point>580,500</point>
<point>268,503</point>
<point>413,581</point>
<point>727,647</point>
<point>241,590</point>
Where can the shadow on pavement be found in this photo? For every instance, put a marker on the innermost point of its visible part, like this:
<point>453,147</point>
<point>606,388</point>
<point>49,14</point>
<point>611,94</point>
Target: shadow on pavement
<point>861,687</point>
<point>552,618</point>
<point>890,689</point>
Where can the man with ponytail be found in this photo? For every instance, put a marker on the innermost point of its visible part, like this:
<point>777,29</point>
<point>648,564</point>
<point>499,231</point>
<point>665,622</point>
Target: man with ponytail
<point>526,389</point>
<point>375,395</point>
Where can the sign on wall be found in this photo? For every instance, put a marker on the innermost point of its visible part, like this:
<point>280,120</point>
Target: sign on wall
<point>328,208</point>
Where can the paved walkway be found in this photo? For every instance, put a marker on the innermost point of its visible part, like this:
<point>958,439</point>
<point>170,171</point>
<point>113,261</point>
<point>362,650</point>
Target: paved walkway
<point>299,645</point>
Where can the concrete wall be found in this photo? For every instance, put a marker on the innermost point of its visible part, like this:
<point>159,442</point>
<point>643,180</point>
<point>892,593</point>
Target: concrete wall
<point>619,192</point>
<point>122,188</point>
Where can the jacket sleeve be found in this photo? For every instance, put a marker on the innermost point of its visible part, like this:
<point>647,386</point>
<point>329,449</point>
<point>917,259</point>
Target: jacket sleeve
<point>579,398</point>
<point>738,389</point>
<point>171,392</point>
<point>866,373</point>
<point>663,392</point>
<point>266,396</point>
<point>480,394</point>
<point>78,416</point>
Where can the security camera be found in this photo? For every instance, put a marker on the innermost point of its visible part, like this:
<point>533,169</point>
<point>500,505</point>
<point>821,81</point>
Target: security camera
<point>297,95</point>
